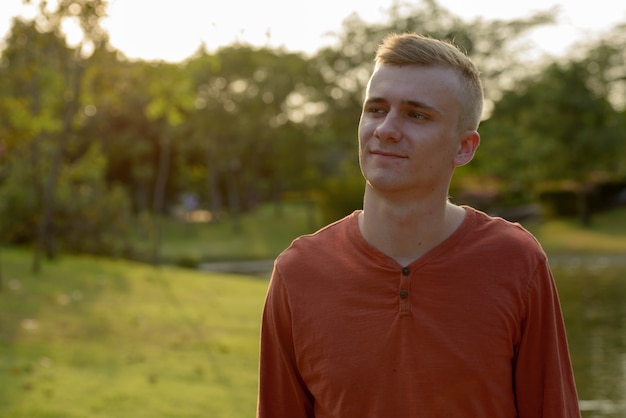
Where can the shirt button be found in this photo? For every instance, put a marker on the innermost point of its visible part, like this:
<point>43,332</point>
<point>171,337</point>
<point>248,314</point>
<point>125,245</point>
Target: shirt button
<point>406,271</point>
<point>404,293</point>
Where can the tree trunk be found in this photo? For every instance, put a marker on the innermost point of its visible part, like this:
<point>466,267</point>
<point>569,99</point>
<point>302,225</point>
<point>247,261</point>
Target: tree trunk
<point>584,205</point>
<point>215,199</point>
<point>39,191</point>
<point>159,195</point>
<point>45,233</point>
<point>234,200</point>
<point>1,272</point>
<point>162,175</point>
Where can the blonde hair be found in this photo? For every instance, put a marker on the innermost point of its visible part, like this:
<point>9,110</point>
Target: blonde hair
<point>414,49</point>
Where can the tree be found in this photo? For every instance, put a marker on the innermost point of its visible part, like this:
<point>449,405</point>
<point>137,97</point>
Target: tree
<point>39,94</point>
<point>172,98</point>
<point>87,14</point>
<point>249,102</point>
<point>117,93</point>
<point>45,111</point>
<point>554,128</point>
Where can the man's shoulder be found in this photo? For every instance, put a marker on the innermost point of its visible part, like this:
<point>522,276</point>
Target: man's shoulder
<point>313,257</point>
<point>499,232</point>
<point>322,240</point>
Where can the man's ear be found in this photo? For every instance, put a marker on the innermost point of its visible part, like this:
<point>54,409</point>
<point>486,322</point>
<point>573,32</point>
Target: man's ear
<point>470,140</point>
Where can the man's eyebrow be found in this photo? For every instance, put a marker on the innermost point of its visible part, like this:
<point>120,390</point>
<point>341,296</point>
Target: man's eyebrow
<point>421,105</point>
<point>412,103</point>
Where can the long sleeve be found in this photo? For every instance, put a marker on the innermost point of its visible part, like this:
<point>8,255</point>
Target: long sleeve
<point>544,381</point>
<point>282,393</point>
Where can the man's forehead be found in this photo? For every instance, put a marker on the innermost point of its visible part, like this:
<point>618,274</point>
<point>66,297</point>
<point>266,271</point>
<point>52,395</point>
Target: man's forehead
<point>413,79</point>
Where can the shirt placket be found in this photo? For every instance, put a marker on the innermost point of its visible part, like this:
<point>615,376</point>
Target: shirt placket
<point>403,293</point>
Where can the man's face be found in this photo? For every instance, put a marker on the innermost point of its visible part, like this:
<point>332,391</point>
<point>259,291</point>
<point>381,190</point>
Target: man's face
<point>409,137</point>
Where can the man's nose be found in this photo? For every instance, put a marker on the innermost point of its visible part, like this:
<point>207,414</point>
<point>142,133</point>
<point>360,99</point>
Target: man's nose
<point>389,128</point>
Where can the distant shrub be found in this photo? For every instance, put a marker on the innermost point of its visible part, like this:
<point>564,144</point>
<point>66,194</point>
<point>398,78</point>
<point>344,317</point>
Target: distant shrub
<point>341,195</point>
<point>89,216</point>
<point>559,203</point>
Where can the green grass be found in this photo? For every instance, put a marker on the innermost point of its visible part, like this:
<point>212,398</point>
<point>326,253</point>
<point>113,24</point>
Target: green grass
<point>97,338</point>
<point>260,235</point>
<point>607,234</point>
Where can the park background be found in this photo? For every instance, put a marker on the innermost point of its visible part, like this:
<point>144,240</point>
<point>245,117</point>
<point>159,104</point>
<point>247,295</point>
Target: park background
<point>142,200</point>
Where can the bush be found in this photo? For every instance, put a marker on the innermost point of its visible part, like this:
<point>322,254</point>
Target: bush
<point>89,216</point>
<point>341,195</point>
<point>559,203</point>
<point>566,201</point>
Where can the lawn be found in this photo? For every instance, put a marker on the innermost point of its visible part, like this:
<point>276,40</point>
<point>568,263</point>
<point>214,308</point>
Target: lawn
<point>606,234</point>
<point>260,235</point>
<point>97,338</point>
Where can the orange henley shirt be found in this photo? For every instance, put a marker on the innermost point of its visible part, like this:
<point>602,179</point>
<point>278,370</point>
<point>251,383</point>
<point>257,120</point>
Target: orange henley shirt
<point>471,329</point>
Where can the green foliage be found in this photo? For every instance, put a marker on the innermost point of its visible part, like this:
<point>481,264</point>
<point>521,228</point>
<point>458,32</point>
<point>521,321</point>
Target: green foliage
<point>91,216</point>
<point>28,113</point>
<point>18,207</point>
<point>559,202</point>
<point>341,195</point>
<point>242,126</point>
<point>557,126</point>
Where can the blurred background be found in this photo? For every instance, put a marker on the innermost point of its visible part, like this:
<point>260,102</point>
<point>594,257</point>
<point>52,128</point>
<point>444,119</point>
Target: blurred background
<point>156,156</point>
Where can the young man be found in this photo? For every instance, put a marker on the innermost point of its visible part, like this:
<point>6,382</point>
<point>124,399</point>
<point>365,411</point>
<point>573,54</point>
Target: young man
<point>413,306</point>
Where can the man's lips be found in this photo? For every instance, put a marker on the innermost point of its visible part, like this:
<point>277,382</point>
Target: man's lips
<point>389,154</point>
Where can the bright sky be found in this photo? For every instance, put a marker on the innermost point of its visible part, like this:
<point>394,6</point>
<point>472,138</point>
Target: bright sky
<point>173,29</point>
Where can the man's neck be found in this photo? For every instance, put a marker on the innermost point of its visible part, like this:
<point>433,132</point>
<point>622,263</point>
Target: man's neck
<point>407,231</point>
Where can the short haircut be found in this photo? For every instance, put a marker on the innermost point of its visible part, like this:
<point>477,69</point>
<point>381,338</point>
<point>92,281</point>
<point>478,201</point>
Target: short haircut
<point>413,49</point>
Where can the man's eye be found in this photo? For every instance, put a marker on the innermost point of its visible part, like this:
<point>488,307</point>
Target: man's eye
<point>375,109</point>
<point>416,115</point>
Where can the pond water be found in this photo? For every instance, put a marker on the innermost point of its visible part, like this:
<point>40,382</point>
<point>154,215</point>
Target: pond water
<point>593,298</point>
